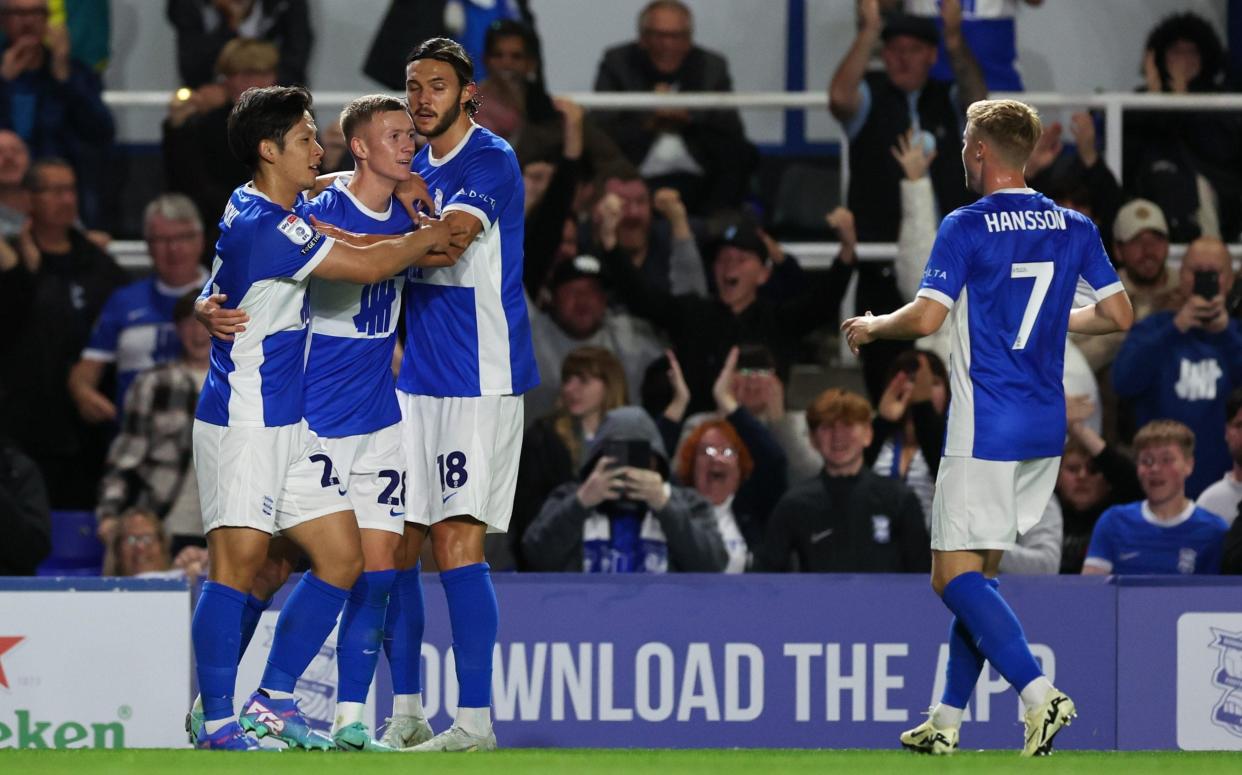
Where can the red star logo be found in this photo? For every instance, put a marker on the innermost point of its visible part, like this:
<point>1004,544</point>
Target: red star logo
<point>7,642</point>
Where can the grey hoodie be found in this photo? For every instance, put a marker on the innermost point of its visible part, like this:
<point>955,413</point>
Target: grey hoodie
<point>553,542</point>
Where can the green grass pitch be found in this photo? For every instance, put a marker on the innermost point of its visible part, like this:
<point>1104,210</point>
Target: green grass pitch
<point>550,762</point>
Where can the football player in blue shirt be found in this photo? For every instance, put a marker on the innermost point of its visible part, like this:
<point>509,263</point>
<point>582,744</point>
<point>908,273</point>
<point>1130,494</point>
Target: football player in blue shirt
<point>1007,267</point>
<point>260,468</point>
<point>467,360</point>
<point>1166,532</point>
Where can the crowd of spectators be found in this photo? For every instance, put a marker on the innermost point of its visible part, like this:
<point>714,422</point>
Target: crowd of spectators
<point>667,321</point>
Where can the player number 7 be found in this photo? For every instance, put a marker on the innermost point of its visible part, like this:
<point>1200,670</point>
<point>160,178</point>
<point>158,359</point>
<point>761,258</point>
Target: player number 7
<point>1042,272</point>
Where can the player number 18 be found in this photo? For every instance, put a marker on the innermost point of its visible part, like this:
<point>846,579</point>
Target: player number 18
<point>1042,272</point>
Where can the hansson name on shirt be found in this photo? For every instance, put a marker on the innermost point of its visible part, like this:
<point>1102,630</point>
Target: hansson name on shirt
<point>1027,220</point>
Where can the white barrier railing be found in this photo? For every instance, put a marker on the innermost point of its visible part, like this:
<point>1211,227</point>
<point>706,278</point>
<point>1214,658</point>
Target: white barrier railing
<point>1114,104</point>
<point>132,254</point>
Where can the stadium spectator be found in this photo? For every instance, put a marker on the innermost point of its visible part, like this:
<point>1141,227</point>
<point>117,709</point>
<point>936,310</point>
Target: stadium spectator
<point>874,108</point>
<point>138,547</point>
<point>716,461</point>
<point>908,426</point>
<point>579,316</point>
<point>197,159</point>
<point>554,447</point>
<point>536,128</point>
<point>51,100</point>
<point>204,28</point>
<point>917,232</point>
<point>1223,497</point>
<point>990,29</point>
<point>704,154</point>
<point>1186,161</point>
<point>1166,532</point>
<point>135,329</point>
<point>336,156</point>
<point>1080,180</point>
<point>624,516</point>
<point>1141,250</point>
<point>703,329</point>
<point>1037,552</point>
<point>24,517</point>
<point>847,519</point>
<point>1182,364</point>
<point>760,390</point>
<point>1093,477</point>
<point>730,458</point>
<point>49,298</point>
<point>149,463</point>
<point>14,199</point>
<point>663,250</point>
<point>1231,554</point>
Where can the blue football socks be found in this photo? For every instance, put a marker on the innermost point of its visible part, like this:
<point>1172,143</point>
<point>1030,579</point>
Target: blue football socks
<point>250,621</point>
<point>403,631</point>
<point>475,618</point>
<point>361,635</point>
<point>996,631</point>
<point>305,621</point>
<point>216,631</point>
<point>965,663</point>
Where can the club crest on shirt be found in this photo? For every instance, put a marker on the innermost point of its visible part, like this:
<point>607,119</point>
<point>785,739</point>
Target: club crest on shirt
<point>439,201</point>
<point>296,229</point>
<point>881,530</point>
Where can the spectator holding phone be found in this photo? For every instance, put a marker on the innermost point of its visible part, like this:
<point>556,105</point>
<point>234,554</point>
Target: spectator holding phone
<point>624,516</point>
<point>1182,364</point>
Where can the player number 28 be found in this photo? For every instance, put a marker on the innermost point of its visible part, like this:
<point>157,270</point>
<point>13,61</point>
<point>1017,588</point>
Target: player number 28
<point>1042,272</point>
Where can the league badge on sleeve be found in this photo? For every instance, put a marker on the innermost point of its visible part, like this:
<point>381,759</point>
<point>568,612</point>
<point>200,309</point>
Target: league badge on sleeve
<point>297,230</point>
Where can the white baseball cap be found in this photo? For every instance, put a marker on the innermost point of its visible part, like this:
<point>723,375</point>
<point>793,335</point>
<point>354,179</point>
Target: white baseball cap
<point>1139,215</point>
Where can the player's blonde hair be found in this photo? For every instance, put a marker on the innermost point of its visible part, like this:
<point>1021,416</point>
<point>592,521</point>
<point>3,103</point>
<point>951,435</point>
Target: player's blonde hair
<point>836,404</point>
<point>1009,126</point>
<point>359,112</point>
<point>1165,432</point>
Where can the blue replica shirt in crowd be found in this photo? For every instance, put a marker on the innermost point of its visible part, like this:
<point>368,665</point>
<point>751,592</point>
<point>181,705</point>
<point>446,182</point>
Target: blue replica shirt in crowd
<point>1007,266</point>
<point>1167,374</point>
<point>135,329</point>
<point>467,332</point>
<point>1129,539</point>
<point>350,389</point>
<point>991,33</point>
<point>264,258</point>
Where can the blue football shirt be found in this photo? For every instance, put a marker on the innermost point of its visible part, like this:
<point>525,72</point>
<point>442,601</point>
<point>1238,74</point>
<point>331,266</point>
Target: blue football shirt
<point>467,330</point>
<point>1007,267</point>
<point>135,329</point>
<point>1129,539</point>
<point>264,257</point>
<point>350,389</point>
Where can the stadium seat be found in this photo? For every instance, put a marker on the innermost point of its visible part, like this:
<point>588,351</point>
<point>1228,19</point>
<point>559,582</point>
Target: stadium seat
<point>75,549</point>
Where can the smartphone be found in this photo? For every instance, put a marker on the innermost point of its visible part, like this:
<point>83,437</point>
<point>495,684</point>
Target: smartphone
<point>1207,284</point>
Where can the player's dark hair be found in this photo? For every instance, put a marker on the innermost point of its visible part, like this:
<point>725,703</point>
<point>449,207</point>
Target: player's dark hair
<point>266,113</point>
<point>362,110</point>
<point>451,53</point>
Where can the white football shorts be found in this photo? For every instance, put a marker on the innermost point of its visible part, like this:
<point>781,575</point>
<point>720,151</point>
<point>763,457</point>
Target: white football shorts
<point>269,479</point>
<point>987,504</point>
<point>462,457</point>
<point>371,468</point>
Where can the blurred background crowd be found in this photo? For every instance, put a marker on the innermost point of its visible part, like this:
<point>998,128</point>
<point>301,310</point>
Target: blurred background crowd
<point>675,329</point>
